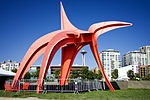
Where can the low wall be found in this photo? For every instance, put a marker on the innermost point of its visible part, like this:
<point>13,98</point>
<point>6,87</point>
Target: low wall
<point>117,85</point>
<point>123,85</point>
<point>139,84</point>
<point>131,84</point>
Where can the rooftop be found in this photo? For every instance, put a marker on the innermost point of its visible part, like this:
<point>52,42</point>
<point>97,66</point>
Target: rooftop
<point>110,50</point>
<point>135,52</point>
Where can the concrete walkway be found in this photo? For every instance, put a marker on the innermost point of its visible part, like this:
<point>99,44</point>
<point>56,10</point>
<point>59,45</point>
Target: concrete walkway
<point>29,98</point>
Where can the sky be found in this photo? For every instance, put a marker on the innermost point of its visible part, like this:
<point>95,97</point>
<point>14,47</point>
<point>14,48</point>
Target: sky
<point>24,21</point>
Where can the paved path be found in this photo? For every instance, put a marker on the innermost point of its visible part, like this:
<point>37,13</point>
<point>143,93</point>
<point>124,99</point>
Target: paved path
<point>29,98</point>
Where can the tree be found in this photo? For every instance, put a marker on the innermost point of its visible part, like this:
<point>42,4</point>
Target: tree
<point>69,77</point>
<point>57,73</point>
<point>99,75</point>
<point>91,75</point>
<point>137,75</point>
<point>36,74</point>
<point>84,72</point>
<point>74,74</point>
<point>130,74</point>
<point>147,77</point>
<point>14,70</point>
<point>27,75</point>
<point>114,74</point>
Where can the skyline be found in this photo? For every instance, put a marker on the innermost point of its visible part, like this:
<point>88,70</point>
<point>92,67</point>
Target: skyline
<point>25,21</point>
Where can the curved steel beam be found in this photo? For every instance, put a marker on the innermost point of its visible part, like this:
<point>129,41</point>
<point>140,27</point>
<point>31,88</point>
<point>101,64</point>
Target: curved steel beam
<point>66,24</point>
<point>68,55</point>
<point>100,28</point>
<point>34,52</point>
<point>94,50</point>
<point>34,57</point>
<point>55,44</point>
<point>97,30</point>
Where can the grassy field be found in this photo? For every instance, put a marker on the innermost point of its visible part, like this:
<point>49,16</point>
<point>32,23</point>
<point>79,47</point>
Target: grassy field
<point>130,94</point>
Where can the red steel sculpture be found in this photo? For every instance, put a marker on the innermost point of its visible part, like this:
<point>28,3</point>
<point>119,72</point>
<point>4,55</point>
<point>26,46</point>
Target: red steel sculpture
<point>71,40</point>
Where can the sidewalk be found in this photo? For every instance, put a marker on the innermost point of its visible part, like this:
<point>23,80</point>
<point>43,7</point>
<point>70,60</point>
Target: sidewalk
<point>29,98</point>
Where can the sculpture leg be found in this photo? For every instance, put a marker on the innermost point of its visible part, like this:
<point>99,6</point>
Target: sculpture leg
<point>35,51</point>
<point>68,55</point>
<point>93,46</point>
<point>34,58</point>
<point>26,63</point>
<point>51,49</point>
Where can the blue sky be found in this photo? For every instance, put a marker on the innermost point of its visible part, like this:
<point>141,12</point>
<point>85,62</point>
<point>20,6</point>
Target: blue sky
<point>24,21</point>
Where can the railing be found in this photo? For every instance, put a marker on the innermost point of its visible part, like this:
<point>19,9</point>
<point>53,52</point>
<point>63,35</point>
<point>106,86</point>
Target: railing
<point>72,85</point>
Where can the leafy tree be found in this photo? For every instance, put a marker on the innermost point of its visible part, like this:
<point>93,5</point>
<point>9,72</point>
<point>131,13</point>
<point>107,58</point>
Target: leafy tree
<point>99,75</point>
<point>36,74</point>
<point>84,72</point>
<point>27,75</point>
<point>130,74</point>
<point>114,74</point>
<point>57,73</point>
<point>91,75</point>
<point>147,77</point>
<point>51,77</point>
<point>74,74</point>
<point>137,75</point>
<point>14,70</point>
<point>69,77</point>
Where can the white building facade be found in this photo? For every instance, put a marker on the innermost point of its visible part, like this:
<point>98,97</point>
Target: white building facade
<point>122,72</point>
<point>134,58</point>
<point>8,66</point>
<point>110,60</point>
<point>34,68</point>
<point>146,49</point>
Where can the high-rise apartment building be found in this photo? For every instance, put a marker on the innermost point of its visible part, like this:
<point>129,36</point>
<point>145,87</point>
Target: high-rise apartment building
<point>110,60</point>
<point>134,58</point>
<point>146,49</point>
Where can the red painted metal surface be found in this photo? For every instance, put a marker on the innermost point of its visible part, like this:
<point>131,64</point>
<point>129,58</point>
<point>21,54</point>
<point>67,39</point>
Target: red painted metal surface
<point>68,55</point>
<point>71,40</point>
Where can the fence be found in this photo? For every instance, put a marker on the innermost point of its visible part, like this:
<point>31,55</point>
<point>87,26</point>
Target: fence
<point>72,85</point>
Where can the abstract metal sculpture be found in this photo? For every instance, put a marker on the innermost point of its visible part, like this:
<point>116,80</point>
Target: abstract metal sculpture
<point>71,40</point>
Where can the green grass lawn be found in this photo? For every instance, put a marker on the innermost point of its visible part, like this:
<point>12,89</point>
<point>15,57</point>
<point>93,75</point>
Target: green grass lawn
<point>130,94</point>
